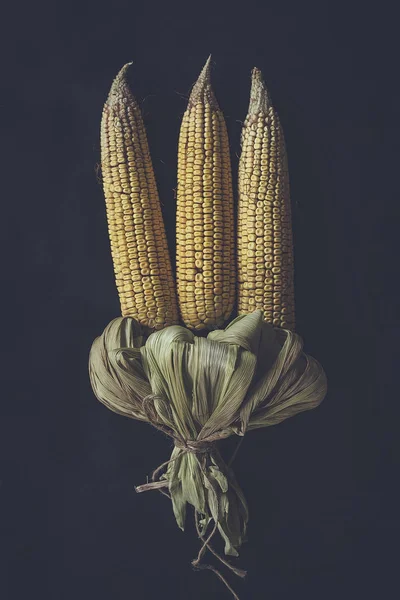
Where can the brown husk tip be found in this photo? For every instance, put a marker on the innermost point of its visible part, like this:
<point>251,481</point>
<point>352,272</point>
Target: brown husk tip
<point>119,87</point>
<point>202,90</point>
<point>260,100</point>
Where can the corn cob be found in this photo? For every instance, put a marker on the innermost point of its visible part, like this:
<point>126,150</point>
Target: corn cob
<point>138,240</point>
<point>205,228</point>
<point>265,245</point>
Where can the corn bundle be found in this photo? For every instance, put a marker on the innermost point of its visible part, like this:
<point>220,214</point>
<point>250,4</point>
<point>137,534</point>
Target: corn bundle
<point>205,264</point>
<point>195,389</point>
<point>139,248</point>
<point>264,240</point>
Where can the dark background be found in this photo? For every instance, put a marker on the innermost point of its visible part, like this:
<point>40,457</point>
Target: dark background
<point>321,487</point>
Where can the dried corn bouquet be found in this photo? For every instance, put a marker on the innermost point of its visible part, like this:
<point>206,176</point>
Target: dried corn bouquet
<point>146,365</point>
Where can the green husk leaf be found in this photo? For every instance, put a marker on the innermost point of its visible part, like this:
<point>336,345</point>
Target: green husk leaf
<point>246,376</point>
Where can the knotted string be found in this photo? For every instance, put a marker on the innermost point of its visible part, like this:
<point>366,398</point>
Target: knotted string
<point>196,447</point>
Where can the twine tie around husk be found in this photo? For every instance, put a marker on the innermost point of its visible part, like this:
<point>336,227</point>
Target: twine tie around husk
<point>194,446</point>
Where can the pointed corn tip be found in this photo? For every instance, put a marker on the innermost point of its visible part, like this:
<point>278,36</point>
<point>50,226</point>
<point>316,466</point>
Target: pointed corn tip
<point>206,70</point>
<point>119,86</point>
<point>260,100</point>
<point>120,78</point>
<point>205,74</point>
<point>202,90</point>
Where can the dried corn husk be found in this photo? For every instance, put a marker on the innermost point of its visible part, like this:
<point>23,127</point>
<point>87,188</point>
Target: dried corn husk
<point>199,390</point>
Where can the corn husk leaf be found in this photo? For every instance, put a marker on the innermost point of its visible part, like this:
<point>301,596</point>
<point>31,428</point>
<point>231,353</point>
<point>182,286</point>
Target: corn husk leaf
<point>247,376</point>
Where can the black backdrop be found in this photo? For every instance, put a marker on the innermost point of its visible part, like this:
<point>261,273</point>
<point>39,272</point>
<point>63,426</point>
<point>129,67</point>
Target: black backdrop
<point>321,487</point>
